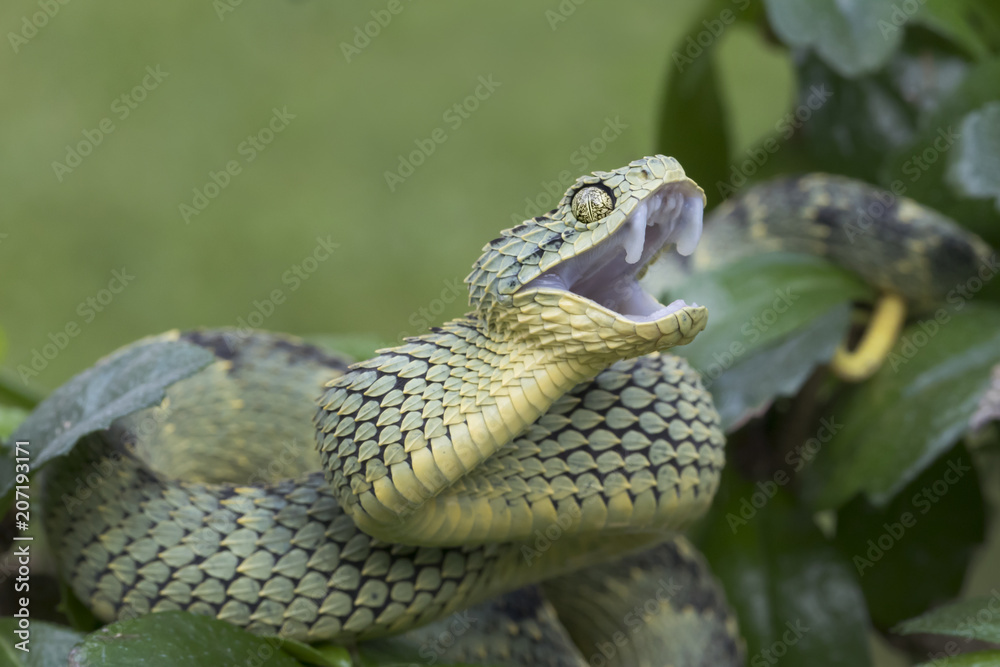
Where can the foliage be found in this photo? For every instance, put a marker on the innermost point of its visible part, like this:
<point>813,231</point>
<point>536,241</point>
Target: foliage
<point>844,509</point>
<point>909,102</point>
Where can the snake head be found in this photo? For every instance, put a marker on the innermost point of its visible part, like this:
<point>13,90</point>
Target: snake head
<point>571,276</point>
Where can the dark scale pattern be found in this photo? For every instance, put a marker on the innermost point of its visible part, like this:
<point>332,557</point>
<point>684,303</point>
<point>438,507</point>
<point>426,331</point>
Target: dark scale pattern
<point>285,558</point>
<point>421,445</point>
<point>521,604</point>
<point>516,629</point>
<point>644,426</point>
<point>893,243</point>
<point>277,558</point>
<point>664,600</point>
<point>211,340</point>
<point>693,581</point>
<point>644,429</point>
<point>480,422</point>
<point>400,402</point>
<point>243,349</point>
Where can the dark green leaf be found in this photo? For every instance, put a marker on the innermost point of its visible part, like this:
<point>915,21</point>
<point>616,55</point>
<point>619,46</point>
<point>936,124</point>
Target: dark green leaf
<point>751,384</point>
<point>390,653</point>
<point>14,392</point>
<point>914,408</point>
<point>927,533</point>
<point>977,659</point>
<point>325,655</point>
<point>974,165</point>
<point>795,598</point>
<point>976,618</point>
<point>177,638</point>
<point>864,119</point>
<point>853,38</point>
<point>954,19</point>
<point>131,379</point>
<point>756,301</point>
<point>49,644</point>
<point>989,405</point>
<point>847,125</point>
<point>376,653</point>
<point>693,125</point>
<point>918,168</point>
<point>79,616</point>
<point>925,73</point>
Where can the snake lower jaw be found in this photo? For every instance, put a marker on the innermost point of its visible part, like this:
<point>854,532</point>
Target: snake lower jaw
<point>594,301</point>
<point>576,326</point>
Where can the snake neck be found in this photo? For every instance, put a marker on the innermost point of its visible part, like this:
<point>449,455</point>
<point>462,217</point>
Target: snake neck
<point>398,429</point>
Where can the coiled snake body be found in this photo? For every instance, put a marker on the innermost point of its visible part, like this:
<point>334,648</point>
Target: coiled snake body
<point>542,438</point>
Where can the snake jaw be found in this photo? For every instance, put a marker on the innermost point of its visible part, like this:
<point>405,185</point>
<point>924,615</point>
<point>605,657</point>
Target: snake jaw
<point>587,255</point>
<point>604,278</point>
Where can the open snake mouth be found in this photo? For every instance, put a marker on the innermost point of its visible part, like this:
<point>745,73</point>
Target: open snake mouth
<point>608,273</point>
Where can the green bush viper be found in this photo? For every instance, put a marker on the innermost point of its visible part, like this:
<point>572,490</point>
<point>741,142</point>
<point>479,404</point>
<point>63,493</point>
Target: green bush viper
<point>541,439</point>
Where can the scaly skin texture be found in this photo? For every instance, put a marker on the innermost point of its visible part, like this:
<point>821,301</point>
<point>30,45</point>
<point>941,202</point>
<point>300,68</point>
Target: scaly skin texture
<point>445,455</point>
<point>282,557</point>
<point>657,607</point>
<point>893,243</point>
<point>542,438</point>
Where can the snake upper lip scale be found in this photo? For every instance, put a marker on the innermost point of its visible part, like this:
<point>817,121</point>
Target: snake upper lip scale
<point>608,273</point>
<point>572,274</point>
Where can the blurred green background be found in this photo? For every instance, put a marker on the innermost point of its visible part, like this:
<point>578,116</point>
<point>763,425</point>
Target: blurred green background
<point>323,175</point>
<point>574,87</point>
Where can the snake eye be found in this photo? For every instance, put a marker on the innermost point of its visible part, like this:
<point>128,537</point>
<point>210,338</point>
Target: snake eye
<point>592,203</point>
